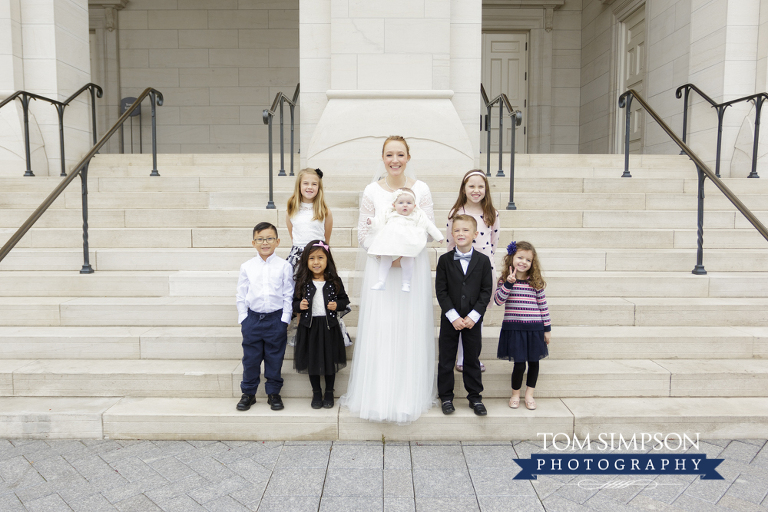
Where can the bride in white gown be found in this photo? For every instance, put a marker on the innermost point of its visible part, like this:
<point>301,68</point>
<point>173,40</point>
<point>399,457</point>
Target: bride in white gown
<point>393,368</point>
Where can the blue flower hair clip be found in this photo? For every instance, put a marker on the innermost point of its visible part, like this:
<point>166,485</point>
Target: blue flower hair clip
<point>512,247</point>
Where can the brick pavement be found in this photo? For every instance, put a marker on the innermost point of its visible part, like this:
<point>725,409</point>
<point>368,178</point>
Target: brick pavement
<point>96,475</point>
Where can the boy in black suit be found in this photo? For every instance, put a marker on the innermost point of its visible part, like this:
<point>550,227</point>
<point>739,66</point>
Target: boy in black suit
<point>463,285</point>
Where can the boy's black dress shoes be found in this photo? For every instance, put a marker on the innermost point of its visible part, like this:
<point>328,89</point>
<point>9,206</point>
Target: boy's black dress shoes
<point>246,401</point>
<point>448,407</point>
<point>276,402</point>
<point>479,408</point>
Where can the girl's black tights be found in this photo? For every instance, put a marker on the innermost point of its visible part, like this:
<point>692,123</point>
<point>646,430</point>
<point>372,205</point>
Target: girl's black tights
<point>519,370</point>
<point>315,381</point>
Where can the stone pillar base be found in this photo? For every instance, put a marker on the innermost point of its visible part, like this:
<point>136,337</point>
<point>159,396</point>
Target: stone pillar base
<point>13,160</point>
<point>354,124</point>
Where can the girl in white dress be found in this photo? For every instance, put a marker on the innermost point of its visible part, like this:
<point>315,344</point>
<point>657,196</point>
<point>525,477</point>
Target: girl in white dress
<point>401,232</point>
<point>309,218</point>
<point>393,368</point>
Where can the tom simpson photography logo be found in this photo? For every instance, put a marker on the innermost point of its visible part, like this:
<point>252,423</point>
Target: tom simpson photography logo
<point>637,457</point>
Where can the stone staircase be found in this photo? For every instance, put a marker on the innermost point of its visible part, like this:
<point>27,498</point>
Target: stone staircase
<point>149,346</point>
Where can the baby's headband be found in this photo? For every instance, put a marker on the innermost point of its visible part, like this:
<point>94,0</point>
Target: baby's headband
<point>512,247</point>
<point>401,191</point>
<point>475,173</point>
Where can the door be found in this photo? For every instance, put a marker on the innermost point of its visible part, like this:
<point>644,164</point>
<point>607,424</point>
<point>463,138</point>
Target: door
<point>505,69</point>
<point>633,73</point>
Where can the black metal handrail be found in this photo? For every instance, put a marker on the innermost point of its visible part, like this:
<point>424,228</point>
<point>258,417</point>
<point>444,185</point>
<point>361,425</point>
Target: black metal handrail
<point>25,96</point>
<point>625,100</point>
<point>503,102</point>
<point>720,107</point>
<point>267,115</point>
<point>155,97</point>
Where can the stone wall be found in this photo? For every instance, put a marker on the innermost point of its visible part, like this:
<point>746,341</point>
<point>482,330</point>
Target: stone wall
<point>566,64</point>
<point>218,63</point>
<point>711,44</point>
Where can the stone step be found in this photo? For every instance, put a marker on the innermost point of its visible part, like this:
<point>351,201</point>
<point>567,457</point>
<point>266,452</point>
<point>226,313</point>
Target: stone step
<point>53,417</point>
<point>350,199</point>
<point>216,418</point>
<point>711,418</point>
<point>551,170</point>
<point>198,180</point>
<point>212,259</point>
<point>221,378</point>
<point>538,159</point>
<point>348,218</point>
<point>223,283</point>
<point>559,284</point>
<point>542,237</point>
<point>220,311</point>
<point>100,284</point>
<point>569,342</point>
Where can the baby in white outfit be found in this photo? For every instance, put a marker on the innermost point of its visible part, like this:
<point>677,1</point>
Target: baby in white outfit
<point>401,233</point>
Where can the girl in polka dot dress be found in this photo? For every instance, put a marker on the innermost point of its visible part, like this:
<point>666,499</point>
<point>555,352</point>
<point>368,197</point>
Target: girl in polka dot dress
<point>475,200</point>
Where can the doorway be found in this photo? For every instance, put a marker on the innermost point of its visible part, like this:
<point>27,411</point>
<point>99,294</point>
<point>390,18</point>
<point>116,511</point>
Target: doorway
<point>632,57</point>
<point>505,70</point>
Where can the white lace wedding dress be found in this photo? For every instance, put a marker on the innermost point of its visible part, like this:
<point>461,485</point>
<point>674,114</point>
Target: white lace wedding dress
<point>393,368</point>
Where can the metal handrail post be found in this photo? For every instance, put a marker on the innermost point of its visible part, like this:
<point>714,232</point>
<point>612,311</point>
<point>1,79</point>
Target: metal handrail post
<point>282,142</point>
<point>87,269</point>
<point>488,139</point>
<point>152,99</point>
<point>511,205</point>
<point>758,107</point>
<point>60,112</point>
<point>685,116</point>
<point>699,268</point>
<point>720,115</point>
<point>628,103</point>
<point>500,173</point>
<point>25,107</point>
<point>267,118</point>
<point>93,114</point>
<point>292,107</point>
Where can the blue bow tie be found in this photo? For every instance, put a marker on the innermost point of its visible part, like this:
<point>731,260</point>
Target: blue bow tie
<point>465,257</point>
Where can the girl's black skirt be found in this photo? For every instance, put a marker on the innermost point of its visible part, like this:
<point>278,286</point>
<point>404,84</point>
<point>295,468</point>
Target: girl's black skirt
<point>520,346</point>
<point>319,350</point>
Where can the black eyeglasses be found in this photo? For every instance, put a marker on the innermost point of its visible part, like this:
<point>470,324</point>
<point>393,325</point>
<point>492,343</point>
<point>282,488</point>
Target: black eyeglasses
<point>269,240</point>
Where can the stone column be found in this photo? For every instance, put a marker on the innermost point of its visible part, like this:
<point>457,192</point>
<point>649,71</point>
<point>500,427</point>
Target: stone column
<point>373,68</point>
<point>105,64</point>
<point>723,61</point>
<point>12,152</point>
<point>56,62</point>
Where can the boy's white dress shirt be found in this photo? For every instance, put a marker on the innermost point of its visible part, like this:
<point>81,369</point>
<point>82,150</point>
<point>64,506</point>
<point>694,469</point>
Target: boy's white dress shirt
<point>265,286</point>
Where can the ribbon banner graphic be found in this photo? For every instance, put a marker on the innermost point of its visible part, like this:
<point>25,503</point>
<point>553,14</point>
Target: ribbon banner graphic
<point>619,464</point>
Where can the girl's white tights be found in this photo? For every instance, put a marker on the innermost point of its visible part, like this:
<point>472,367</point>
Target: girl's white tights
<point>406,264</point>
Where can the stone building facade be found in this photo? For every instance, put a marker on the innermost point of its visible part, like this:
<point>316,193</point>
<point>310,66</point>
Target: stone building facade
<point>371,68</point>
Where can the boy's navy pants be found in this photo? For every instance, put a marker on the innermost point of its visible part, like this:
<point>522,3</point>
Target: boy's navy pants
<point>264,339</point>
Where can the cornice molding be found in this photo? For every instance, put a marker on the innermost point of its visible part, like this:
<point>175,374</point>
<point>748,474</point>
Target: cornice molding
<point>115,4</point>
<point>543,4</point>
<point>549,7</point>
<point>109,11</point>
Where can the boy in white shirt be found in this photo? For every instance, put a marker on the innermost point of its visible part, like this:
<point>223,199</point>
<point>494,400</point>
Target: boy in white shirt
<point>264,307</point>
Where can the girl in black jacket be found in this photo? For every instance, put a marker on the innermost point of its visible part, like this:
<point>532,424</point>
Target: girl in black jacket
<point>319,297</point>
